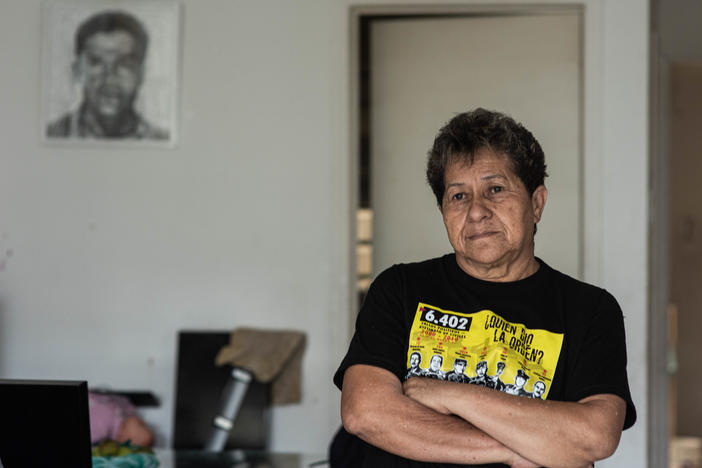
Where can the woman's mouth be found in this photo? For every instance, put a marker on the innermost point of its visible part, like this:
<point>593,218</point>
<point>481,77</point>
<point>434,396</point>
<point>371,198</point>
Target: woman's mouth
<point>481,235</point>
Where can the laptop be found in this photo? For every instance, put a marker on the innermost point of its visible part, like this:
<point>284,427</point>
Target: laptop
<point>44,423</point>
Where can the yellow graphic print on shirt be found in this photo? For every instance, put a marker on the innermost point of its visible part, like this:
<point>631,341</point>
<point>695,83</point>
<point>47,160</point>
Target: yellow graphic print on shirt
<point>482,348</point>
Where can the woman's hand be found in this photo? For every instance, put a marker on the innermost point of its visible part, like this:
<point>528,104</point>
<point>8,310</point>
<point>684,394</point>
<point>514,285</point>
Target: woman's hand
<point>429,392</point>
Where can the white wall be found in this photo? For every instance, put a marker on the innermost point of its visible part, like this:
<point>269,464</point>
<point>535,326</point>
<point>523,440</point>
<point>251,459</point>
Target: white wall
<point>247,221</point>
<point>115,250</point>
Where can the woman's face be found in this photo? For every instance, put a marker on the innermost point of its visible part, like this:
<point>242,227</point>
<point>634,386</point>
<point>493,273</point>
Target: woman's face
<point>489,217</point>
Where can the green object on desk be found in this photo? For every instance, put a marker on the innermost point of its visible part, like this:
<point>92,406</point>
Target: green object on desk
<point>112,454</point>
<point>134,460</point>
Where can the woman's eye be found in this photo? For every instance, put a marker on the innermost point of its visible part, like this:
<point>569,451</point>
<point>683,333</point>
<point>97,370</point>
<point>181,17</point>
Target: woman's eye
<point>459,196</point>
<point>496,189</point>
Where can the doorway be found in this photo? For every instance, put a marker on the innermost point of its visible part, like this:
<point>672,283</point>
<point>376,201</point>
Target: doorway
<point>417,70</point>
<point>685,249</point>
<point>676,241</point>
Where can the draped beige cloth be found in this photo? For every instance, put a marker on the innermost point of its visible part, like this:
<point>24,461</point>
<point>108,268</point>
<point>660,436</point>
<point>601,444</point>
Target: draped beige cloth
<point>273,356</point>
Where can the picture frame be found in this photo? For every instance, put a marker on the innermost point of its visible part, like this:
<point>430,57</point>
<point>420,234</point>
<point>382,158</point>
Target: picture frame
<point>111,73</point>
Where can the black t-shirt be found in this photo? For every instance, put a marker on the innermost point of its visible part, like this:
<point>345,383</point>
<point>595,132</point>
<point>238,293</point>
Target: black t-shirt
<point>545,336</point>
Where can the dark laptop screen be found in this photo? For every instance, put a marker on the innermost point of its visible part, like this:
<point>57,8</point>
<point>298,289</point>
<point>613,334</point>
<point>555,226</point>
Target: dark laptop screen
<point>44,423</point>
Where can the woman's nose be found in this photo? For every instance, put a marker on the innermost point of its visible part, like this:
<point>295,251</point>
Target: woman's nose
<point>478,209</point>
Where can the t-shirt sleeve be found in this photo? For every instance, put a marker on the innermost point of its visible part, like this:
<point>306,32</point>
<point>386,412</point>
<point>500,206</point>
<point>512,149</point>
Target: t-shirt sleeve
<point>601,363</point>
<point>380,328</point>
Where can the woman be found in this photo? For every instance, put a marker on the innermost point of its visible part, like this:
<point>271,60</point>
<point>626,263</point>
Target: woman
<point>490,300</point>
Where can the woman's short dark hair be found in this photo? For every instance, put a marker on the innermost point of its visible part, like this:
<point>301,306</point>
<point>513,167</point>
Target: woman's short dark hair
<point>467,133</point>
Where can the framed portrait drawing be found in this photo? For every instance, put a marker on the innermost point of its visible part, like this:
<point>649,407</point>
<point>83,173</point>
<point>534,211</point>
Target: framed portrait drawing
<point>111,72</point>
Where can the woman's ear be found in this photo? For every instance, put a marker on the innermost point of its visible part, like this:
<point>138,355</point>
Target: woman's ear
<point>538,201</point>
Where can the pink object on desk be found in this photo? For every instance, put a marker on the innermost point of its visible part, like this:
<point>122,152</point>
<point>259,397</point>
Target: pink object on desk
<point>107,412</point>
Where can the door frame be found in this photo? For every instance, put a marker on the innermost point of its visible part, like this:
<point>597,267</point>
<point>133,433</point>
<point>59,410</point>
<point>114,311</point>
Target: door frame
<point>615,48</point>
<point>659,270</point>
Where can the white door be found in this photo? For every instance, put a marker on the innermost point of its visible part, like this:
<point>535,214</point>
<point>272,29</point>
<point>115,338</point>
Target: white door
<point>423,71</point>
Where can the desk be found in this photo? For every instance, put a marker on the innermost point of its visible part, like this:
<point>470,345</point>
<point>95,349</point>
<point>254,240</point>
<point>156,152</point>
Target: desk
<point>237,459</point>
